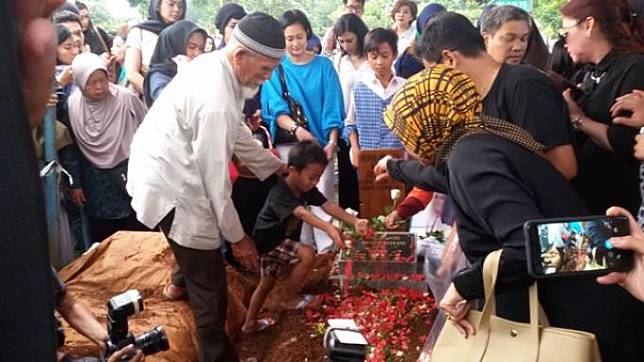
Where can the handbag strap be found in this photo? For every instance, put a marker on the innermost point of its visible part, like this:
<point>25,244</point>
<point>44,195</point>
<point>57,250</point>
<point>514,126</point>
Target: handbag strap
<point>490,274</point>
<point>489,282</point>
<point>287,97</point>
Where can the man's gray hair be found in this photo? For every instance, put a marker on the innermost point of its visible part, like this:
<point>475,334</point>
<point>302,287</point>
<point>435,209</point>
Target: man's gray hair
<point>499,15</point>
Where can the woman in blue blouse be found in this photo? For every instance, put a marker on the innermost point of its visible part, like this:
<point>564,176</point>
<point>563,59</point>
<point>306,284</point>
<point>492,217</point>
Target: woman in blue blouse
<point>312,82</point>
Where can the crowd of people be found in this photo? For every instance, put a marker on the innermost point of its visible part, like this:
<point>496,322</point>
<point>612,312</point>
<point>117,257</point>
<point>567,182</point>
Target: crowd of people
<point>234,154</point>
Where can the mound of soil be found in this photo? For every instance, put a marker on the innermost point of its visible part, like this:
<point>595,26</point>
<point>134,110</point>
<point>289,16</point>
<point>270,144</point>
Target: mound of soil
<point>143,261</point>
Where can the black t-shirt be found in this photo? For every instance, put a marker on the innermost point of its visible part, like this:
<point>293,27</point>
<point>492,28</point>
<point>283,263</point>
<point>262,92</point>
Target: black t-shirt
<point>608,178</point>
<point>526,97</point>
<point>276,221</point>
<point>496,186</point>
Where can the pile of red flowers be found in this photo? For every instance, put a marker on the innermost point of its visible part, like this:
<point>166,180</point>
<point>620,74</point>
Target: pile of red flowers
<point>385,318</point>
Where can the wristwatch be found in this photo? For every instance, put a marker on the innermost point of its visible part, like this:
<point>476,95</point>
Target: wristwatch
<point>293,129</point>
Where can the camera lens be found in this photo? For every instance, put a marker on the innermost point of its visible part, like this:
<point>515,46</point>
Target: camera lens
<point>153,341</point>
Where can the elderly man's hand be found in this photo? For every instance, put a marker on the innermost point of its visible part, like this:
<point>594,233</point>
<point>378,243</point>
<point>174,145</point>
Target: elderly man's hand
<point>246,253</point>
<point>37,52</point>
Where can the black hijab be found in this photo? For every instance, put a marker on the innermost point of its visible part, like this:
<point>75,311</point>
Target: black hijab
<point>97,42</point>
<point>172,42</point>
<point>155,23</point>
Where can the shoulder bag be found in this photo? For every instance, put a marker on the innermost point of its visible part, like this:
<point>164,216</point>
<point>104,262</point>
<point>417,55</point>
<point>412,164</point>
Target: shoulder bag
<point>297,113</point>
<point>502,340</point>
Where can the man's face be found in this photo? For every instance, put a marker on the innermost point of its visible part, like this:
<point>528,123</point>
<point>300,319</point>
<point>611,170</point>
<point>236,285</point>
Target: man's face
<point>253,69</point>
<point>77,33</point>
<point>84,18</point>
<point>354,7</point>
<point>510,42</point>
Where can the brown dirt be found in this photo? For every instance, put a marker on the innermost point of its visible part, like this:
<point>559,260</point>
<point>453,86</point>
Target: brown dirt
<point>143,261</point>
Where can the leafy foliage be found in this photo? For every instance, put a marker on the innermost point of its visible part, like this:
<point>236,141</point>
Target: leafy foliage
<point>323,13</point>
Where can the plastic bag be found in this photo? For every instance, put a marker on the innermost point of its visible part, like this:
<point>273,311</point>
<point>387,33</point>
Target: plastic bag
<point>438,274</point>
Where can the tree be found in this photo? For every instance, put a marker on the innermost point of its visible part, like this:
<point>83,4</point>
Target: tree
<point>546,12</point>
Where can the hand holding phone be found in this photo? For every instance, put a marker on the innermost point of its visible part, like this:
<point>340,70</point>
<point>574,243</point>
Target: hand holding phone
<point>570,246</point>
<point>561,83</point>
<point>632,281</point>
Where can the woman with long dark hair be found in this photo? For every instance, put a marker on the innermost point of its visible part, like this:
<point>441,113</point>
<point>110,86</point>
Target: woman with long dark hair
<point>350,62</point>
<point>608,37</point>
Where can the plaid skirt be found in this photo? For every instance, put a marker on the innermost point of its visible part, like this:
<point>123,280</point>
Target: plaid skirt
<point>273,263</point>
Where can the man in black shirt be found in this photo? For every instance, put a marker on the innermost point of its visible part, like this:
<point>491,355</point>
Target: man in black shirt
<point>518,94</point>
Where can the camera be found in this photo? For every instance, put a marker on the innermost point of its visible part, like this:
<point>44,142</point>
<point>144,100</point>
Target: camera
<point>344,342</point>
<point>119,309</point>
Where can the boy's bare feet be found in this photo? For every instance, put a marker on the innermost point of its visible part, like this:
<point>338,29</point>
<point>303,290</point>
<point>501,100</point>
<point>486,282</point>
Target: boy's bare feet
<point>257,326</point>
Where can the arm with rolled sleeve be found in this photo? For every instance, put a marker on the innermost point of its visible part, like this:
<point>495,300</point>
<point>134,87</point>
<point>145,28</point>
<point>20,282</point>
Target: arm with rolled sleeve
<point>261,162</point>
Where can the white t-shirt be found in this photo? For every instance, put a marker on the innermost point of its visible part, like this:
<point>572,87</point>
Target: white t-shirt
<point>348,75</point>
<point>143,40</point>
<point>405,40</point>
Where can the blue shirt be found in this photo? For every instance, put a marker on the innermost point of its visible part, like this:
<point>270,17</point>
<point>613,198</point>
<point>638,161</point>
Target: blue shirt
<point>316,87</point>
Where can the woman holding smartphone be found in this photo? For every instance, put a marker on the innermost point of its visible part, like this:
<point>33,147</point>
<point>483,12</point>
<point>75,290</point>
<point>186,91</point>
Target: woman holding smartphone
<point>608,36</point>
<point>484,154</point>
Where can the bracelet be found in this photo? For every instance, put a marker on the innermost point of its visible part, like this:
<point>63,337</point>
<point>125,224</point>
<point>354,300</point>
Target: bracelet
<point>293,129</point>
<point>577,122</point>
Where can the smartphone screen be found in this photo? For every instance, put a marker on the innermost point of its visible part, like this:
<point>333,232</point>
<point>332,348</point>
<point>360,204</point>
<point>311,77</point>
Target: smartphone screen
<point>569,246</point>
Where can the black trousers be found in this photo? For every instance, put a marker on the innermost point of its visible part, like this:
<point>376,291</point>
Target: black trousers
<point>104,228</point>
<point>205,279</point>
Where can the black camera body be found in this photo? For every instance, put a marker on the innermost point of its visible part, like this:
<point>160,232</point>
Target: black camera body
<point>119,309</point>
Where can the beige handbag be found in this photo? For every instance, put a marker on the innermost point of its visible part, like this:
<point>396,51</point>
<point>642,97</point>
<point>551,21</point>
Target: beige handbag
<point>502,340</point>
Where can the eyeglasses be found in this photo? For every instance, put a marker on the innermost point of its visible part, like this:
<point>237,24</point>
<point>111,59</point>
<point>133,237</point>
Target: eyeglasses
<point>564,31</point>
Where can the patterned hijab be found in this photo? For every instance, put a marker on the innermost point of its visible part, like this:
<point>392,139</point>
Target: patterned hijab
<point>437,107</point>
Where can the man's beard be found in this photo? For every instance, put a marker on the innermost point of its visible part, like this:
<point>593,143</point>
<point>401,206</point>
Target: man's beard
<point>249,92</point>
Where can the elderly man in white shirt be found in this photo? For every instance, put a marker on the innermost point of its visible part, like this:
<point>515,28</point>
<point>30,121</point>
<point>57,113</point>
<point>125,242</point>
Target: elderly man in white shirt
<point>178,172</point>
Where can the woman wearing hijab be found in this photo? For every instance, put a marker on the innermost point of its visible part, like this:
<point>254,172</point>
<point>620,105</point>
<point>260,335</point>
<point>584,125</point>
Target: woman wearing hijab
<point>142,38</point>
<point>97,39</point>
<point>178,44</point>
<point>497,176</point>
<point>103,118</point>
<point>226,20</point>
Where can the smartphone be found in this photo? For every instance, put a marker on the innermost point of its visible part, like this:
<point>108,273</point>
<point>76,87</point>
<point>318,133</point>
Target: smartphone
<point>571,246</point>
<point>562,84</point>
